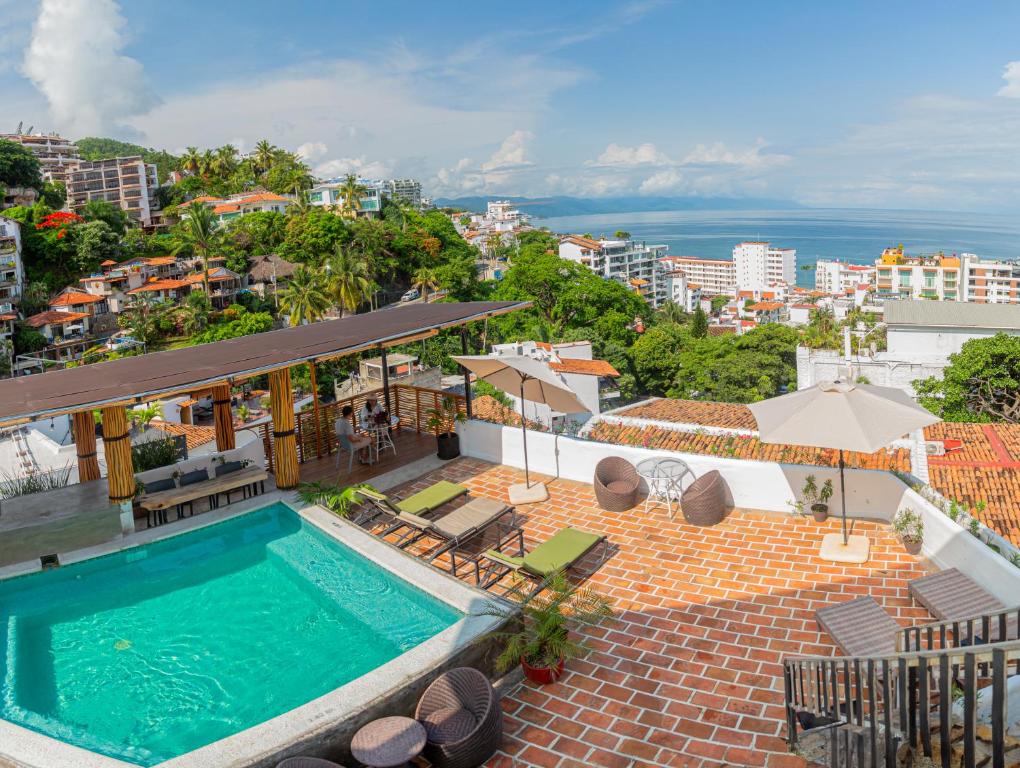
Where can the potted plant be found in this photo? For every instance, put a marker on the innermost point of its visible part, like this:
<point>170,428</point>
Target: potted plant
<point>816,500</point>
<point>909,528</point>
<point>540,639</point>
<point>443,421</point>
<point>337,500</point>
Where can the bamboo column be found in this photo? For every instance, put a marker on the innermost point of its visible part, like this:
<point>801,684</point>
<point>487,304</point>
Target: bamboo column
<point>117,448</point>
<point>385,380</point>
<point>223,417</point>
<point>315,409</point>
<point>84,428</point>
<point>467,373</point>
<point>281,400</point>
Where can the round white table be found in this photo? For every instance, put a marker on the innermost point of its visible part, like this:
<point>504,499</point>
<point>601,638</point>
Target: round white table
<point>664,477</point>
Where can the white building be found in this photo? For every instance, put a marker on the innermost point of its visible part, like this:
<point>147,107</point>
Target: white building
<point>760,266</point>
<point>838,278</point>
<point>991,282</point>
<point>716,277</point>
<point>12,273</point>
<point>678,288</point>
<point>635,265</point>
<point>938,277</point>
<point>129,182</point>
<point>56,154</point>
<point>593,381</point>
<point>500,216</point>
<point>235,206</point>
<point>327,195</point>
<point>406,190</point>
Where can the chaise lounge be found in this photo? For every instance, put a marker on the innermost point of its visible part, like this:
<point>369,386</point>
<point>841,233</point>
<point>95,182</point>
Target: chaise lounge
<point>563,551</point>
<point>420,503</point>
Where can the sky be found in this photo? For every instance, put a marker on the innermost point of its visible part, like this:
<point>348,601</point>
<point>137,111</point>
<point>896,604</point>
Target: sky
<point>866,104</point>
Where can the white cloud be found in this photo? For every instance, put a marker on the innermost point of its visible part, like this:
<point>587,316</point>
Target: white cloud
<point>616,155</point>
<point>311,151</point>
<point>360,166</point>
<point>74,59</point>
<point>1012,77</point>
<point>719,154</point>
<point>662,181</point>
<point>512,153</point>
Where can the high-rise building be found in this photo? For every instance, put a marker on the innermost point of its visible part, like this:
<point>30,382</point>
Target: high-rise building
<point>129,182</point>
<point>759,266</point>
<point>934,276</point>
<point>715,277</point>
<point>11,271</point>
<point>56,154</point>
<point>635,265</point>
<point>406,190</point>
<point>838,277</point>
<point>991,282</point>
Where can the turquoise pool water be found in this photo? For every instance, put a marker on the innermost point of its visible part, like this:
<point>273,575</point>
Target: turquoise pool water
<point>153,652</point>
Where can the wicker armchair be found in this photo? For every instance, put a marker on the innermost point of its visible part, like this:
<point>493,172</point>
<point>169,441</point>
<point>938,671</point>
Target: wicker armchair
<point>463,719</point>
<point>616,484</point>
<point>704,502</point>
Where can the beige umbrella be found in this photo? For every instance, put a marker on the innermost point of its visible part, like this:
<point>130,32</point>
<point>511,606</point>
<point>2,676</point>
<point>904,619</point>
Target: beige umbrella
<point>840,415</point>
<point>529,379</point>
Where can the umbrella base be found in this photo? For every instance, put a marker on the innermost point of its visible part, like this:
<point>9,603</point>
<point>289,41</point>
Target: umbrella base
<point>856,550</point>
<point>520,493</point>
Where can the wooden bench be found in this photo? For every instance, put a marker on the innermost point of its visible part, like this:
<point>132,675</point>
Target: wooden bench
<point>160,501</point>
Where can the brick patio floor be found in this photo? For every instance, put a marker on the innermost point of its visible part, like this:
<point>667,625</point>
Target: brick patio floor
<point>690,673</point>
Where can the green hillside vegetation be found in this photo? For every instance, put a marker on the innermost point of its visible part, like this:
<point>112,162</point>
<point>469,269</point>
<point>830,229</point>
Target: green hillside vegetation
<point>96,148</point>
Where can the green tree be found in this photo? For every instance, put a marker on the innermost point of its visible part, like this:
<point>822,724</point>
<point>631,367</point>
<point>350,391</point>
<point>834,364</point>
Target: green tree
<point>305,297</point>
<point>94,242</point>
<point>351,193</point>
<point>195,313</point>
<point>93,148</point>
<point>263,156</point>
<point>18,166</point>
<point>622,234</point>
<point>349,282</point>
<point>425,280</point>
<point>113,216</point>
<point>54,194</point>
<point>699,323</point>
<point>671,312</point>
<point>200,234</point>
<point>718,302</point>
<point>309,238</point>
<point>656,356</point>
<point>981,382</point>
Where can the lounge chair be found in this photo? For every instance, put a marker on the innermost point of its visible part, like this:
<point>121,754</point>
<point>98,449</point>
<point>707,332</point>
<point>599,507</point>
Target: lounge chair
<point>859,627</point>
<point>462,717</point>
<point>423,502</point>
<point>950,594</point>
<point>454,528</point>
<point>562,552</point>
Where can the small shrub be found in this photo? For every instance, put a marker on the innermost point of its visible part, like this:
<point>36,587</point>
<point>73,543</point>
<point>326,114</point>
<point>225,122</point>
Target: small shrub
<point>153,454</point>
<point>908,525</point>
<point>33,482</point>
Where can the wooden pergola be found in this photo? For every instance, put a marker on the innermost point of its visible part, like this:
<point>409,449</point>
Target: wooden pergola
<point>117,385</point>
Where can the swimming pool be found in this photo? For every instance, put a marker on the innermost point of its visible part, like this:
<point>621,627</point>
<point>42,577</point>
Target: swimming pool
<point>155,651</point>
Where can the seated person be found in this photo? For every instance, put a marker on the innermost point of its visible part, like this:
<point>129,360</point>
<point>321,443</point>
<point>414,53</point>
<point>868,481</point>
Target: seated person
<point>369,411</point>
<point>344,427</point>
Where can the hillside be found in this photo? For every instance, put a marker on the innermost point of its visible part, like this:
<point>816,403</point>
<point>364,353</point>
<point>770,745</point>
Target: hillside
<point>97,148</point>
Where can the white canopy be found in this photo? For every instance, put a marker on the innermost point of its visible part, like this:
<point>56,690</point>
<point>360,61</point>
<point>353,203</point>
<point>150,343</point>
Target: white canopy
<point>835,414</point>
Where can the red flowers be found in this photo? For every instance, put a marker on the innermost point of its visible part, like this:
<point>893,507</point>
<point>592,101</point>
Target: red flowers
<point>59,220</point>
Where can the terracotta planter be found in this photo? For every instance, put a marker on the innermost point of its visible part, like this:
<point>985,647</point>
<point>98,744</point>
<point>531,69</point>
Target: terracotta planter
<point>820,512</point>
<point>542,675</point>
<point>913,546</point>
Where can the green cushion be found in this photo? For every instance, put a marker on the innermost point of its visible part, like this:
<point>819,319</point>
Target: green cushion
<point>561,550</point>
<point>511,560</point>
<point>433,497</point>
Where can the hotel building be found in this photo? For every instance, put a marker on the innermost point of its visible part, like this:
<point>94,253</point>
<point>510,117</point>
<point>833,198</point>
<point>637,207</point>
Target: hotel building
<point>760,266</point>
<point>129,182</point>
<point>56,155</point>
<point>636,265</point>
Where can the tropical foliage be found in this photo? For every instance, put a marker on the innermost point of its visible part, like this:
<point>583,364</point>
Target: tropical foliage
<point>981,382</point>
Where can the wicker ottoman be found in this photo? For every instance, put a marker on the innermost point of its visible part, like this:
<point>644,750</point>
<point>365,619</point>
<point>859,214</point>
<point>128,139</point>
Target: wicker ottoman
<point>704,502</point>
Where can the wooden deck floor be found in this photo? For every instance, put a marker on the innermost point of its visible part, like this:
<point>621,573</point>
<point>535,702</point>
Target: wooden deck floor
<point>411,446</point>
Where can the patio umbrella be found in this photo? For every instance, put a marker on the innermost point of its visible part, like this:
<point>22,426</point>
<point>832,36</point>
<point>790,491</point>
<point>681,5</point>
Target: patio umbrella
<point>840,415</point>
<point>532,380</point>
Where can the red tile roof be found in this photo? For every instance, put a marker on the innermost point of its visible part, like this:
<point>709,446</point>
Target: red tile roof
<point>158,285</point>
<point>584,242</point>
<point>54,316</point>
<point>765,306</point>
<point>71,298</point>
<point>160,261</point>
<point>704,412</point>
<point>194,436</point>
<point>587,367</point>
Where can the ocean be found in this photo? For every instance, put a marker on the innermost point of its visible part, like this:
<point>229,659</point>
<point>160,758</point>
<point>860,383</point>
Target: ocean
<point>852,235</point>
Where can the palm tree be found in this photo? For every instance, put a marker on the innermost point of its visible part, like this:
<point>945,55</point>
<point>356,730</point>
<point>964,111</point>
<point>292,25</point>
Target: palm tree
<point>201,234</point>
<point>263,156</point>
<point>425,280</point>
<point>224,160</point>
<point>671,312</point>
<point>302,204</point>
<point>351,193</point>
<point>195,313</point>
<point>305,297</point>
<point>192,160</point>
<point>298,180</point>
<point>349,281</point>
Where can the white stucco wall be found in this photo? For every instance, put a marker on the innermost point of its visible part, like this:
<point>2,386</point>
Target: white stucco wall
<point>766,486</point>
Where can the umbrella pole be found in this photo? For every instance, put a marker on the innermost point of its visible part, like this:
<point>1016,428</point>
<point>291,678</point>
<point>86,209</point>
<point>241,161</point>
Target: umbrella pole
<point>524,434</point>
<point>842,493</point>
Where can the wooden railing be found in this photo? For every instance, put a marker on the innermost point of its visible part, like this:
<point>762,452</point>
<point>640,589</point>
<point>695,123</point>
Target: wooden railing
<point>868,708</point>
<point>409,404</point>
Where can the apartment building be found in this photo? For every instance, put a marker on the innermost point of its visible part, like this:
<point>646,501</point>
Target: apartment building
<point>129,182</point>
<point>934,276</point>
<point>56,155</point>
<point>678,288</point>
<point>715,277</point>
<point>759,266</point>
<point>235,206</point>
<point>407,191</point>
<point>838,278</point>
<point>327,195</point>
<point>117,283</point>
<point>12,274</point>
<point>629,262</point>
<point>991,282</point>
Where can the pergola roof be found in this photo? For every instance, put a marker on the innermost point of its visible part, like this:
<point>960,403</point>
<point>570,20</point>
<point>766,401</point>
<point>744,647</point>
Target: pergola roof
<point>146,377</point>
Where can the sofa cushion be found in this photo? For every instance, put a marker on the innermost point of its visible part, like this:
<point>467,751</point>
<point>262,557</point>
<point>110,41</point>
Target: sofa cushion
<point>447,725</point>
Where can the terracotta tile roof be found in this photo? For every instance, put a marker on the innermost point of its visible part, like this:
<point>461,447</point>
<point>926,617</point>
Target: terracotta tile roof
<point>9,316</point>
<point>74,297</point>
<point>588,367</point>
<point>160,261</point>
<point>107,263</point>
<point>54,316</point>
<point>703,412</point>
<point>721,330</point>
<point>263,197</point>
<point>802,306</point>
<point>984,470</point>
<point>215,274</point>
<point>544,345</point>
<point>158,285</point>
<point>226,208</point>
<point>765,306</point>
<point>740,447</point>
<point>584,242</point>
<point>200,199</point>
<point>488,408</point>
<point>195,436</point>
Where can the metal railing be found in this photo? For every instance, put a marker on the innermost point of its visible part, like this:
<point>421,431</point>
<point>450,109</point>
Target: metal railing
<point>869,708</point>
